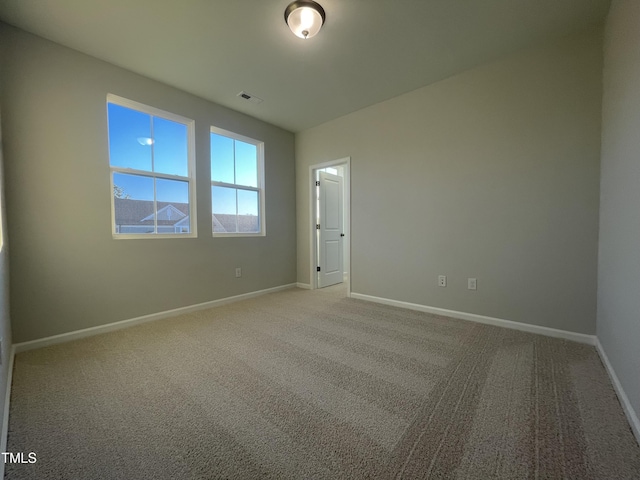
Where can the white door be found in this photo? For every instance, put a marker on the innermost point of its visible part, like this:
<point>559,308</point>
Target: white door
<point>330,233</point>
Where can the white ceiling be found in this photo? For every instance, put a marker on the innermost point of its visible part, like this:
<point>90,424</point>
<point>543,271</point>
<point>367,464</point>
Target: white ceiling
<point>368,50</point>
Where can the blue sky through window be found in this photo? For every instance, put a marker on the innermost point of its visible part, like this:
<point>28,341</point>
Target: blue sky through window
<point>135,187</point>
<point>170,152</point>
<point>222,162</point>
<point>247,202</point>
<point>233,162</point>
<point>172,190</point>
<point>149,143</point>
<point>126,126</point>
<point>246,164</point>
<point>146,147</point>
<point>224,199</point>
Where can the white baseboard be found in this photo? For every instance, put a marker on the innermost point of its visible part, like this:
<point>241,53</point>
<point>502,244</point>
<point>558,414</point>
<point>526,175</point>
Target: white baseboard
<point>498,322</point>
<point>632,417</point>
<point>110,327</point>
<point>5,414</point>
<point>305,286</point>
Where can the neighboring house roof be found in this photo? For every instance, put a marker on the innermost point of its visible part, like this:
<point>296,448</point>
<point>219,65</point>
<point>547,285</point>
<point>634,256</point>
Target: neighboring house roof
<point>185,222</point>
<point>217,225</point>
<point>140,212</point>
<point>227,223</point>
<point>167,214</point>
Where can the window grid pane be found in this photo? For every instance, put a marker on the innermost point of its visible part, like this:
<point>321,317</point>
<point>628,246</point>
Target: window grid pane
<point>224,205</point>
<point>222,159</point>
<point>129,138</point>
<point>170,149</point>
<point>248,220</point>
<point>133,203</point>
<point>145,204</point>
<point>236,191</point>
<point>246,163</point>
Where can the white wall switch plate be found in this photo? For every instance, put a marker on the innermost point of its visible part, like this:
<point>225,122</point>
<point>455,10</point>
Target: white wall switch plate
<point>442,280</point>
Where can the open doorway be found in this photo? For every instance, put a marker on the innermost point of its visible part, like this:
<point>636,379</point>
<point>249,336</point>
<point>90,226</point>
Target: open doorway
<point>330,224</point>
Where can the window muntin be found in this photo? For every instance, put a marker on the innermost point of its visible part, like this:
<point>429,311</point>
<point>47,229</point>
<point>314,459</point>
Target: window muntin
<point>152,171</point>
<point>237,184</point>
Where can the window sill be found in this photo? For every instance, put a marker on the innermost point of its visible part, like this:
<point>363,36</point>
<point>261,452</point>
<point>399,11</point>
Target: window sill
<point>149,236</point>
<point>225,235</point>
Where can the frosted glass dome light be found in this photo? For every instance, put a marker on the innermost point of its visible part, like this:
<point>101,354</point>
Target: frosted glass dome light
<point>304,17</point>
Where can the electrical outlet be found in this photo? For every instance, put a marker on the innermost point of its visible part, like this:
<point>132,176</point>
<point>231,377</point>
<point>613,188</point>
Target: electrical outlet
<point>442,280</point>
<point>472,283</point>
<point>238,272</point>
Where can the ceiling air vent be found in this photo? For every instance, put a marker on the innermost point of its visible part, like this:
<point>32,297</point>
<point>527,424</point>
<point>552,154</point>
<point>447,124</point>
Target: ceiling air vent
<point>249,97</point>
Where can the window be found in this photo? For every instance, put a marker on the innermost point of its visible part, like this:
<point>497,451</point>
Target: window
<point>152,171</point>
<point>237,184</point>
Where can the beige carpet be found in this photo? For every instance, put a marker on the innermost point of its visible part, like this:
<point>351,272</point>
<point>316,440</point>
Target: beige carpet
<point>306,385</point>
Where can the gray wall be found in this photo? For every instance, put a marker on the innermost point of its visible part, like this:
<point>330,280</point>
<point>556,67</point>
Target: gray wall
<point>493,174</point>
<point>67,273</point>
<point>619,256</point>
<point>5,326</point>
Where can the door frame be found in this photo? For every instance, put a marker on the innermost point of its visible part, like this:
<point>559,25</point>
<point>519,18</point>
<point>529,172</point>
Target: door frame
<point>346,163</point>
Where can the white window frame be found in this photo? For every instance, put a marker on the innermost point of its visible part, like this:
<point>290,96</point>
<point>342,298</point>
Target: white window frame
<point>260,180</point>
<point>191,168</point>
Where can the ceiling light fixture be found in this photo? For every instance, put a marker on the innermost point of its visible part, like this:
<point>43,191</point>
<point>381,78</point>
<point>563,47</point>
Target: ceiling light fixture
<point>304,17</point>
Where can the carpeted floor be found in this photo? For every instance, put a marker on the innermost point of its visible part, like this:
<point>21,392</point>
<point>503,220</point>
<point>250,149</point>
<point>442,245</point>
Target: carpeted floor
<point>312,385</point>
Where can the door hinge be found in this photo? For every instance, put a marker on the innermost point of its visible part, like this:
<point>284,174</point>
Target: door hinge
<point>317,269</point>
<point>317,226</point>
<point>317,183</point>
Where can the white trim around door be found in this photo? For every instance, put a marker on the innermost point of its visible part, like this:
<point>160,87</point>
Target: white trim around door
<point>342,162</point>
